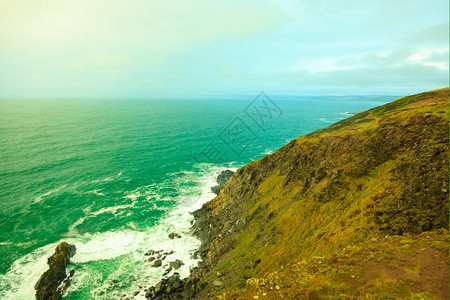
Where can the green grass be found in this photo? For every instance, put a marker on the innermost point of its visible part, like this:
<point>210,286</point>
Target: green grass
<point>339,201</point>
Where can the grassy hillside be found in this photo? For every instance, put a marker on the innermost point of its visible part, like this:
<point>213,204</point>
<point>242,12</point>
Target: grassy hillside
<point>358,209</point>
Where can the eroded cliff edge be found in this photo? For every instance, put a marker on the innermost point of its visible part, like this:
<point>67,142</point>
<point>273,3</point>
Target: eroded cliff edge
<point>358,209</point>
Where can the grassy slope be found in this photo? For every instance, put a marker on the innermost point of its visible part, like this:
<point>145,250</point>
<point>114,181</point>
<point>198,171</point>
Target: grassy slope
<point>358,209</point>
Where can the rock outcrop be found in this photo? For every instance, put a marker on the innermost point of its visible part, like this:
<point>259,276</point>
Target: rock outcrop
<point>175,288</point>
<point>174,235</point>
<point>223,177</point>
<point>54,281</point>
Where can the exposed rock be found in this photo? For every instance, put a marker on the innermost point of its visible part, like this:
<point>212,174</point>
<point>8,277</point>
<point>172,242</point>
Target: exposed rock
<point>49,285</point>
<point>216,189</point>
<point>157,263</point>
<point>176,264</point>
<point>174,235</point>
<point>175,288</point>
<point>223,177</point>
<point>168,288</point>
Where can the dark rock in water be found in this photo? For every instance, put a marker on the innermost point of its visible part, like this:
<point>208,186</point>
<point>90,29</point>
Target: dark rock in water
<point>216,189</point>
<point>49,285</point>
<point>175,288</point>
<point>176,264</point>
<point>223,177</point>
<point>168,288</point>
<point>157,263</point>
<point>174,235</point>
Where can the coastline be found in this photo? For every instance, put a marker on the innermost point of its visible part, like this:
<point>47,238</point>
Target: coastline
<point>97,248</point>
<point>173,287</point>
<point>310,220</point>
<point>253,228</point>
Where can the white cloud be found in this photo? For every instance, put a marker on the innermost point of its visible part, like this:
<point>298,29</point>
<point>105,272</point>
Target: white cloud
<point>199,46</point>
<point>98,25</point>
<point>437,58</point>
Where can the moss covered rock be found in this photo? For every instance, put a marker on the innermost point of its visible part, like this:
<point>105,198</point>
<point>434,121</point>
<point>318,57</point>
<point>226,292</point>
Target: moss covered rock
<point>50,285</point>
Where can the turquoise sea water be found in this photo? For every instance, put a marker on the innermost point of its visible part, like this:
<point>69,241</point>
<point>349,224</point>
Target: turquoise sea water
<point>115,177</point>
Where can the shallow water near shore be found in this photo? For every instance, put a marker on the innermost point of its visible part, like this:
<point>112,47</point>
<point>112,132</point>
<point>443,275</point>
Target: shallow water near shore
<point>116,177</point>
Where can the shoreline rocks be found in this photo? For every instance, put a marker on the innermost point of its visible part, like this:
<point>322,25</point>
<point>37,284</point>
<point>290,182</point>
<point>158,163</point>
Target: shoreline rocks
<point>173,287</point>
<point>54,282</point>
<point>223,177</point>
<point>174,235</point>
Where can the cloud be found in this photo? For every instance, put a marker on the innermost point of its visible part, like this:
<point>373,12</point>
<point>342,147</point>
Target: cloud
<point>53,25</point>
<point>437,58</point>
<point>140,48</point>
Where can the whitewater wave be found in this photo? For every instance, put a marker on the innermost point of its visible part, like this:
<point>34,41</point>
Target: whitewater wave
<point>111,264</point>
<point>267,152</point>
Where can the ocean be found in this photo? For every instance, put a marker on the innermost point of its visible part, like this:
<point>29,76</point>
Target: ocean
<point>115,177</point>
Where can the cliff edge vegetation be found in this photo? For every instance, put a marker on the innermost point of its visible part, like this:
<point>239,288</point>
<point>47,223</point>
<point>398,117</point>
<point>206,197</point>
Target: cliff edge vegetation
<point>355,210</point>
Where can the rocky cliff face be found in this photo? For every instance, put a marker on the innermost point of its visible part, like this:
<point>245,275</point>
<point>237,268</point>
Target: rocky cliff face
<point>54,281</point>
<point>358,209</point>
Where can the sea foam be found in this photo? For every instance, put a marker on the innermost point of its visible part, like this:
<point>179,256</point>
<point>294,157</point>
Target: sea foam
<point>121,252</point>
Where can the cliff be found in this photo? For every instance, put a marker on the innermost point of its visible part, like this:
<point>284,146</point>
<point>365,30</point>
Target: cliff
<point>358,209</point>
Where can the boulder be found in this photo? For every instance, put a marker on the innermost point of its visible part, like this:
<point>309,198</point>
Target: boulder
<point>167,271</point>
<point>176,264</point>
<point>174,235</point>
<point>168,288</point>
<point>157,263</point>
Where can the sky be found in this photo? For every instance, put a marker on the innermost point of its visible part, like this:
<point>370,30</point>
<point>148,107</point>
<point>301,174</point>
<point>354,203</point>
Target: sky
<point>189,49</point>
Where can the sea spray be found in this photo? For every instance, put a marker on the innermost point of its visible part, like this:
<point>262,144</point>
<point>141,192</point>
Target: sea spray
<point>111,264</point>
